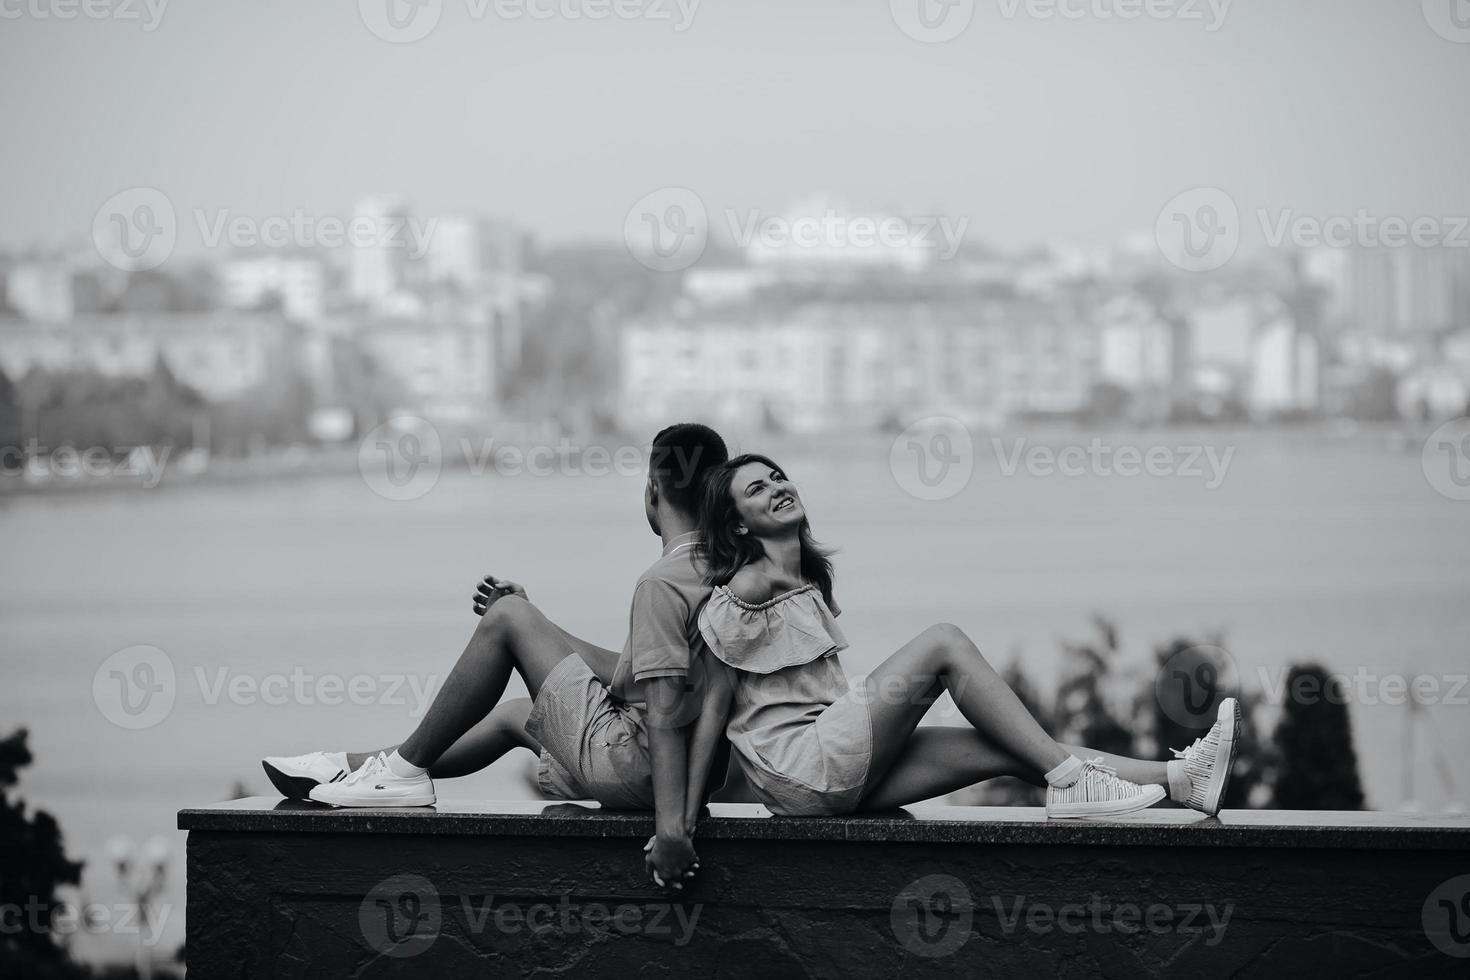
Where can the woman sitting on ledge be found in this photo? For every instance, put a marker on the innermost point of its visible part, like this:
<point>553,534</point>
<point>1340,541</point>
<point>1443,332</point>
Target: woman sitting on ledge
<point>811,746</point>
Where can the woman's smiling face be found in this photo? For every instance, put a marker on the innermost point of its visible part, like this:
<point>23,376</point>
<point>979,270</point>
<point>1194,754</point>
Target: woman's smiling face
<point>767,502</point>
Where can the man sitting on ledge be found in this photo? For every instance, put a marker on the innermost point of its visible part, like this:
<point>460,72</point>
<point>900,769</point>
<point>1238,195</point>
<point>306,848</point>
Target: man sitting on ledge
<point>607,727</point>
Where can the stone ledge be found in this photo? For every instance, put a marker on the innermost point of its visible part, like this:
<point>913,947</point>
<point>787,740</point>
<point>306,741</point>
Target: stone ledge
<point>301,891</point>
<point>1335,829</point>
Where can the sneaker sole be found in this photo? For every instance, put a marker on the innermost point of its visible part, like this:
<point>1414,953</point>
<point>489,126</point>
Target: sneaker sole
<point>363,802</point>
<point>1112,808</point>
<point>291,787</point>
<point>1216,793</point>
<point>402,801</point>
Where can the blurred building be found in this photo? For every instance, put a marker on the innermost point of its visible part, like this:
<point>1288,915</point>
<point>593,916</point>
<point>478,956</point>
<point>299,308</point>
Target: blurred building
<point>41,290</point>
<point>1284,366</point>
<point>376,268</point>
<point>220,355</point>
<point>827,366</point>
<point>1136,353</point>
<point>1222,335</point>
<point>1407,290</point>
<point>297,282</point>
<point>816,235</point>
<point>472,252</point>
<point>441,369</point>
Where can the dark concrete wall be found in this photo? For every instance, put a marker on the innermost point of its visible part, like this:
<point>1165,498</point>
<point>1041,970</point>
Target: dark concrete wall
<point>367,904</point>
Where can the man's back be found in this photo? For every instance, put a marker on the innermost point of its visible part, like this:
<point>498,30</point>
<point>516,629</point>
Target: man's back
<point>663,626</point>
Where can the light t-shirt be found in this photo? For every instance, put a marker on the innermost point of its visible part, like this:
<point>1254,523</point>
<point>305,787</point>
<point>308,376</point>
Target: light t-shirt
<point>663,627</point>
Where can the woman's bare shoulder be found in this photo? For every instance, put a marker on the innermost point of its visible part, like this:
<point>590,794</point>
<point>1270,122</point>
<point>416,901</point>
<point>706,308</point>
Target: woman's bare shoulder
<point>751,584</point>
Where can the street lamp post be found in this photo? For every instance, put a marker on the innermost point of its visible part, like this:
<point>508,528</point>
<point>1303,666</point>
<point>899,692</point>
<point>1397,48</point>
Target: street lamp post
<point>141,872</point>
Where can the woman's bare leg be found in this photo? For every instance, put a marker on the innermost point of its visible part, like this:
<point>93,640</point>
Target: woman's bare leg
<point>941,658</point>
<point>904,687</point>
<point>939,759</point>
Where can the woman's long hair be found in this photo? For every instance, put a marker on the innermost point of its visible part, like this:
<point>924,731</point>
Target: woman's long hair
<point>726,552</point>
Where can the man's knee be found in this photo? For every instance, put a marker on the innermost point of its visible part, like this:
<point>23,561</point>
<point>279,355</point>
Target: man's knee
<point>505,615</point>
<point>509,717</point>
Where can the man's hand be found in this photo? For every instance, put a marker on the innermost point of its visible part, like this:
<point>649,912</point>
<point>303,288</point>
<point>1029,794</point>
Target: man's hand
<point>491,589</point>
<point>670,860</point>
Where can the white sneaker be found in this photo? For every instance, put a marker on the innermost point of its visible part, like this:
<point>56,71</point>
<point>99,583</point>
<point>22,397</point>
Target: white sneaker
<point>1209,760</point>
<point>377,785</point>
<point>1099,792</point>
<point>297,775</point>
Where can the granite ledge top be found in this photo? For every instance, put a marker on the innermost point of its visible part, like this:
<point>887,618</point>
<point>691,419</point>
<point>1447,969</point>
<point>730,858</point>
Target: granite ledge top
<point>1354,829</point>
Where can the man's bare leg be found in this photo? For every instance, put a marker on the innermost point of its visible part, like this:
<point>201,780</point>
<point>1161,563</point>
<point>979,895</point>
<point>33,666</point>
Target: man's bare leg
<point>602,660</point>
<point>512,636</point>
<point>503,729</point>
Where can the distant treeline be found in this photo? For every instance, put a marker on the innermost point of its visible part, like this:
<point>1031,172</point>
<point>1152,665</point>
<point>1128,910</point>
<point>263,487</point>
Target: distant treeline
<point>85,409</point>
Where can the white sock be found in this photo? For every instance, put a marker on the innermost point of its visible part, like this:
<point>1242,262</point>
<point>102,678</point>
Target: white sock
<point>402,768</point>
<point>1066,772</point>
<point>1180,784</point>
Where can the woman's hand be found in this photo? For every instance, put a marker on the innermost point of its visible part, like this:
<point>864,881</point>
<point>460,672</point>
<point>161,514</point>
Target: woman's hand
<point>491,589</point>
<point>670,860</point>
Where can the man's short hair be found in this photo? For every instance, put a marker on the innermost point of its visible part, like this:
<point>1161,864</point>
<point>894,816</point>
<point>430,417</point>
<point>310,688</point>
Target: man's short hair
<point>682,456</point>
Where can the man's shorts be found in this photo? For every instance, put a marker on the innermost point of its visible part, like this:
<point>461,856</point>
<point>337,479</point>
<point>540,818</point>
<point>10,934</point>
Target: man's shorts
<point>592,746</point>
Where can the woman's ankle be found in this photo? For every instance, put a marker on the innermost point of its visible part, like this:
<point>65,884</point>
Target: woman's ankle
<point>1065,773</point>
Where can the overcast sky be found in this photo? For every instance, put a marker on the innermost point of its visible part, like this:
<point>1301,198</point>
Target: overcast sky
<point>1035,129</point>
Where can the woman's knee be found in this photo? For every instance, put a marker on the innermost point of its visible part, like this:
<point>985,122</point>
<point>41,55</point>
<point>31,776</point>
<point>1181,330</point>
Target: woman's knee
<point>947,636</point>
<point>952,645</point>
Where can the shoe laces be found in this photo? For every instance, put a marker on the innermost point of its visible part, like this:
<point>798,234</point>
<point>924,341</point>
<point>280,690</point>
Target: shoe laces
<point>1101,776</point>
<point>1096,781</point>
<point>1199,757</point>
<point>371,769</point>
